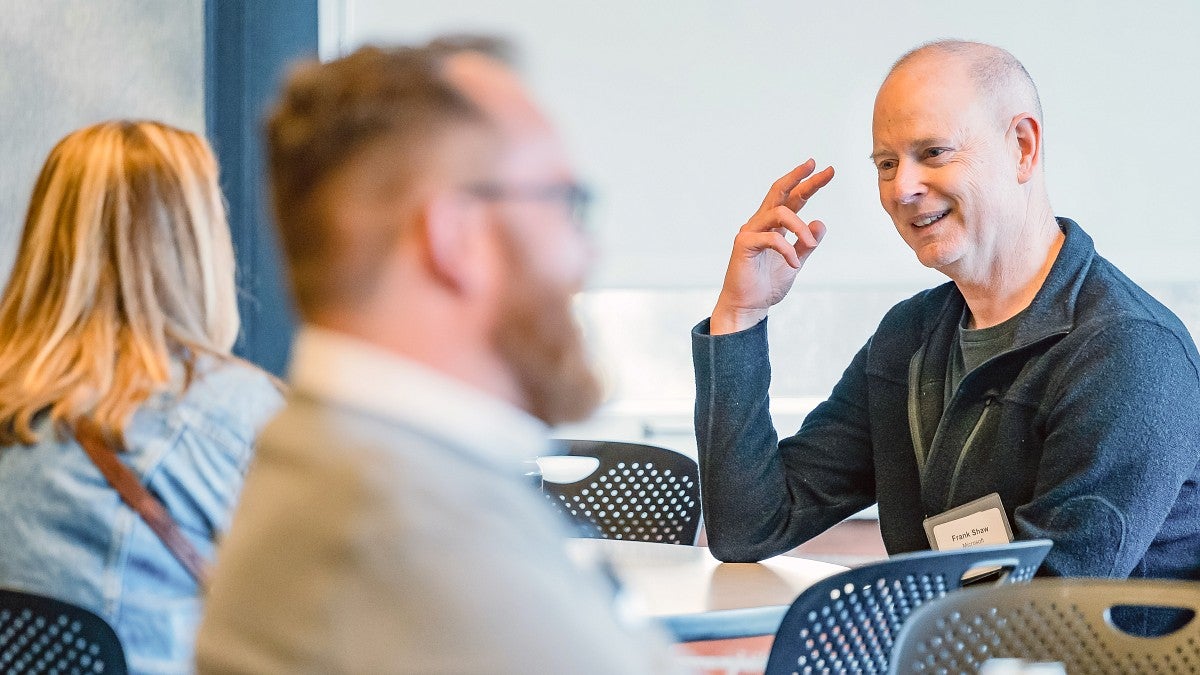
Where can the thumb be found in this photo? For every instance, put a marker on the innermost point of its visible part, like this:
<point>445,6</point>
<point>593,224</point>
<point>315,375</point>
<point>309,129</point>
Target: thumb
<point>817,228</point>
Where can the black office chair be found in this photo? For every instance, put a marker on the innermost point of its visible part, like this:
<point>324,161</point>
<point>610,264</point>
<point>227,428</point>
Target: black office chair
<point>638,492</point>
<point>44,635</point>
<point>1064,620</point>
<point>848,623</point>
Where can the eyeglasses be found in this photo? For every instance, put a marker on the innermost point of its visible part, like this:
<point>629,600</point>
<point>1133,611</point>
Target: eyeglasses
<point>577,198</point>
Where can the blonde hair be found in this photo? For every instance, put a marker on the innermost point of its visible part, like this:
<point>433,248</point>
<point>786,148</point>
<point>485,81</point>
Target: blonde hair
<point>125,267</point>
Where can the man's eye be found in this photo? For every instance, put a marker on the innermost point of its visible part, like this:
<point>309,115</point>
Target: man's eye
<point>886,165</point>
<point>935,152</point>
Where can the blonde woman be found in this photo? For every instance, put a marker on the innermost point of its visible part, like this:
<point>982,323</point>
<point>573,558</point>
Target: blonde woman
<point>120,313</point>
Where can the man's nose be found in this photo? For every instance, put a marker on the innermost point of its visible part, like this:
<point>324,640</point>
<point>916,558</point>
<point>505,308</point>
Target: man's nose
<point>909,183</point>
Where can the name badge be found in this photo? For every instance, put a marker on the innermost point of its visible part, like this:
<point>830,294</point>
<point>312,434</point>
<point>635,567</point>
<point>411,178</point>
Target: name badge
<point>978,523</point>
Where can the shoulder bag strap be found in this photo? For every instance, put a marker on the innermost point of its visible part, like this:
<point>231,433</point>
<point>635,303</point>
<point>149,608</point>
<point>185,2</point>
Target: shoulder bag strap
<point>140,500</point>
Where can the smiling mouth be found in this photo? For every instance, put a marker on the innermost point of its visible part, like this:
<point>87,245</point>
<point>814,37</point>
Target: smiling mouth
<point>930,219</point>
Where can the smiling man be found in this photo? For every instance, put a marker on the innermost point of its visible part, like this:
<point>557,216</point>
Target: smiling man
<point>1039,393</point>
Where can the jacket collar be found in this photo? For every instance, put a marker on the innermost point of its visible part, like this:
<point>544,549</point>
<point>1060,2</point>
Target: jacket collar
<point>1053,308</point>
<point>338,369</point>
<point>1052,311</point>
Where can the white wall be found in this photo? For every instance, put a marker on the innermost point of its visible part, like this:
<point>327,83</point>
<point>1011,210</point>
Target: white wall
<point>682,113</point>
<point>68,63</point>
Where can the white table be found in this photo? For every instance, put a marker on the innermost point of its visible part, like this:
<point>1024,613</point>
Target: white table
<point>695,596</point>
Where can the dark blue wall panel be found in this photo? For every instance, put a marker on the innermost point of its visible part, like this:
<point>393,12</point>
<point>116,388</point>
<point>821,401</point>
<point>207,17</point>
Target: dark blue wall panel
<point>249,45</point>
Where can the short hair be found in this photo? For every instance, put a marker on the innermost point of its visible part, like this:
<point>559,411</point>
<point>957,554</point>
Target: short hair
<point>995,71</point>
<point>328,115</point>
<point>125,267</point>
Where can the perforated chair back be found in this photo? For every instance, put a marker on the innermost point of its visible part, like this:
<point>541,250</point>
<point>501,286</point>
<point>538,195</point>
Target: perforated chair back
<point>638,492</point>
<point>44,635</point>
<point>1063,620</point>
<point>848,623</point>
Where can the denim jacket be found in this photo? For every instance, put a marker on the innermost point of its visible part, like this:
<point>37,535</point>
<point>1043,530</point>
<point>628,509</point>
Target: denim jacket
<point>65,533</point>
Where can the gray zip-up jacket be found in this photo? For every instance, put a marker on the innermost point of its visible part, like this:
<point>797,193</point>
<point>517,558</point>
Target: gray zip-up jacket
<point>1088,428</point>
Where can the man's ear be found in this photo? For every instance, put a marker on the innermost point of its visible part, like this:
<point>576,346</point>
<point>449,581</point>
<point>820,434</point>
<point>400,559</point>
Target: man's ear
<point>1028,133</point>
<point>453,236</point>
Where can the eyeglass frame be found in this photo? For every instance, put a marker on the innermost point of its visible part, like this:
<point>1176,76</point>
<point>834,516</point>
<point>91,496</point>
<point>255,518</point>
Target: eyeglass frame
<point>576,197</point>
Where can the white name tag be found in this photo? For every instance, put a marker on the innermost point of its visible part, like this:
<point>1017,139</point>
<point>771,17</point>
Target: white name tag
<point>978,523</point>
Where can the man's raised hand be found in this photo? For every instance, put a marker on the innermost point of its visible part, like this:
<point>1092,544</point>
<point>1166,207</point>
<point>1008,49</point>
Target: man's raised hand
<point>764,262</point>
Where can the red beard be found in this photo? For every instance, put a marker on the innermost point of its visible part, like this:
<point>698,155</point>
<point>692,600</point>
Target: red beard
<point>538,337</point>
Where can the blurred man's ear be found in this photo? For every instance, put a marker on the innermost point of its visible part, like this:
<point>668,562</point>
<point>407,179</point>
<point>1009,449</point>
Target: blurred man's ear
<point>1028,133</point>
<point>454,235</point>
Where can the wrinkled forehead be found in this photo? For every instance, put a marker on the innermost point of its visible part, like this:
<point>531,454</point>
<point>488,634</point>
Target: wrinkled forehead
<point>530,146</point>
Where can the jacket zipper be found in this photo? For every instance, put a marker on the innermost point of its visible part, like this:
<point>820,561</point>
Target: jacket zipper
<point>914,407</point>
<point>966,449</point>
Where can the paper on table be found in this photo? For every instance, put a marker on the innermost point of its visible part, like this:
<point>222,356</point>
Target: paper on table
<point>566,468</point>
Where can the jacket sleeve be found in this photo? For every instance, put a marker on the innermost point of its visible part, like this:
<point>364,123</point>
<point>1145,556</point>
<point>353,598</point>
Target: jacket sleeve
<point>205,446</point>
<point>1122,432</point>
<point>762,497</point>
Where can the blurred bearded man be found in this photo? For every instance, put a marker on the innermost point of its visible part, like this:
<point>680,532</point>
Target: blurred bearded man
<point>431,226</point>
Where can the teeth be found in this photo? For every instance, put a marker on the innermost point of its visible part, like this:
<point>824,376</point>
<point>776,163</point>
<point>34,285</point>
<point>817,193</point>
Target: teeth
<point>931,219</point>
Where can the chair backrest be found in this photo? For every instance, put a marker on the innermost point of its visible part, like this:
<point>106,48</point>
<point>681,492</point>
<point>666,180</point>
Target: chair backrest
<point>44,635</point>
<point>849,622</point>
<point>638,492</point>
<point>1063,620</point>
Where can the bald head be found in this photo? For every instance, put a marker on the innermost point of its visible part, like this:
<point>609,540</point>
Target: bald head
<point>998,77</point>
<point>957,144</point>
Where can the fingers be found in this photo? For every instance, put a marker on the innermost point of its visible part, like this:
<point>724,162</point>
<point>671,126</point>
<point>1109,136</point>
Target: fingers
<point>797,186</point>
<point>776,217</point>
<point>817,230</point>
<point>807,188</point>
<point>781,189</point>
<point>754,243</point>
<point>781,218</point>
